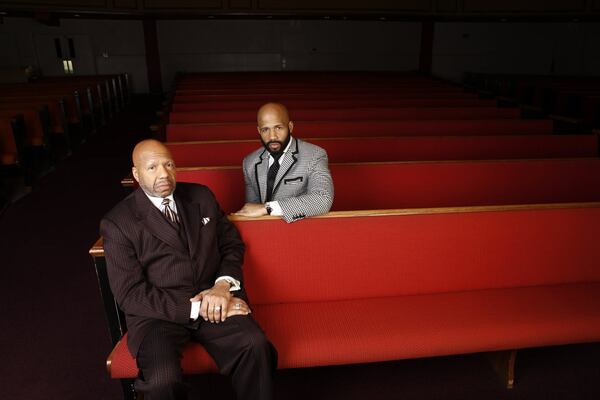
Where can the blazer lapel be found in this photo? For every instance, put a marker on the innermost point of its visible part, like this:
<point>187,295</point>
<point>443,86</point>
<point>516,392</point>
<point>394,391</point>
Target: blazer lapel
<point>287,163</point>
<point>156,223</point>
<point>261,168</point>
<point>189,214</point>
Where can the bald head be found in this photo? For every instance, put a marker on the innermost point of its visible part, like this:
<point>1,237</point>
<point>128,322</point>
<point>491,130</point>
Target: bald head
<point>146,148</point>
<point>274,126</point>
<point>153,168</point>
<point>273,110</point>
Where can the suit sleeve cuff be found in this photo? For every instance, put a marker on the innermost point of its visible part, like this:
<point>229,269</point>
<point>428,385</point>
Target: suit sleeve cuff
<point>276,208</point>
<point>195,310</point>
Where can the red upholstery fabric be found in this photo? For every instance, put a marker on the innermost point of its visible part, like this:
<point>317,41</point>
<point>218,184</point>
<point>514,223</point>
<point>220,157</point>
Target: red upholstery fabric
<point>8,158</point>
<point>227,185</point>
<point>353,114</point>
<point>418,254</point>
<point>455,283</point>
<point>340,103</point>
<point>122,365</point>
<point>8,148</point>
<point>192,96</point>
<point>382,329</point>
<point>434,184</point>
<point>33,125</point>
<point>316,91</point>
<point>54,111</point>
<point>408,148</point>
<point>331,129</point>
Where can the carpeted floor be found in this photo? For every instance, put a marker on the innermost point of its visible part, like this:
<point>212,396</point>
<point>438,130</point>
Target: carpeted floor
<point>54,337</point>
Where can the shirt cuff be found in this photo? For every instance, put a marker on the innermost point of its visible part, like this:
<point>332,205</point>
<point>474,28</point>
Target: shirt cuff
<point>195,310</point>
<point>275,209</point>
<point>235,284</point>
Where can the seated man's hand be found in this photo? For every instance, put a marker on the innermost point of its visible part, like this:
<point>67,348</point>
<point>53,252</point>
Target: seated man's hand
<point>215,302</point>
<point>238,307</point>
<point>252,210</point>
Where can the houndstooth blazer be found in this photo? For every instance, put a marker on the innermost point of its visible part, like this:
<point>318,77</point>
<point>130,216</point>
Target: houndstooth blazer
<point>303,186</point>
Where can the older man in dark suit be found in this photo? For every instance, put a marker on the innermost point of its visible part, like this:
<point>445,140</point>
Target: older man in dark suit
<point>174,263</point>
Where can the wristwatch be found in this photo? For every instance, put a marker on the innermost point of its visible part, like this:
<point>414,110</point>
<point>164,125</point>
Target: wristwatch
<point>231,283</point>
<point>268,207</point>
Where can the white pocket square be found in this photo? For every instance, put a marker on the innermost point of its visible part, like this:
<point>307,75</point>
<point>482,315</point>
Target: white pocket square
<point>205,220</point>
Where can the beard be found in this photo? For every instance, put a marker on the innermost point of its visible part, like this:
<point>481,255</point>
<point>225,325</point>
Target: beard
<point>282,146</point>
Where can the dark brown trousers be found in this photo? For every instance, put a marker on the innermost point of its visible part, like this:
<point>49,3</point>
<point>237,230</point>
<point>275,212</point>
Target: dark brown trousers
<point>238,346</point>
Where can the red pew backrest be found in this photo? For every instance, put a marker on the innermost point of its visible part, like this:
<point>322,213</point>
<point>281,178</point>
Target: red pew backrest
<point>34,125</point>
<point>407,148</point>
<point>433,184</point>
<point>353,114</point>
<point>330,129</point>
<point>421,253</point>
<point>8,146</point>
<point>56,114</point>
<point>342,103</point>
<point>285,97</point>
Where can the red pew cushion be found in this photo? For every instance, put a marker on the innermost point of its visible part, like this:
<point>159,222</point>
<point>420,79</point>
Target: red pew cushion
<point>392,328</point>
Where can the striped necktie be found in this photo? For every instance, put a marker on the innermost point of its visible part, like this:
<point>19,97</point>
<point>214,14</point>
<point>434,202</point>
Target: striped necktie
<point>168,212</point>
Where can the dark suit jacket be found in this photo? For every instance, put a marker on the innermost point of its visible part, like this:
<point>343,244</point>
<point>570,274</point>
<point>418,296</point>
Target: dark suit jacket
<point>152,273</point>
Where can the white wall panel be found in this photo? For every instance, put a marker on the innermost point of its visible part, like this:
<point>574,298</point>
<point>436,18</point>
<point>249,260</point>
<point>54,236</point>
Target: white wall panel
<point>103,46</point>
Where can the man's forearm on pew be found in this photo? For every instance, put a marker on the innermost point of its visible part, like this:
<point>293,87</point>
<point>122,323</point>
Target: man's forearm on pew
<point>252,210</point>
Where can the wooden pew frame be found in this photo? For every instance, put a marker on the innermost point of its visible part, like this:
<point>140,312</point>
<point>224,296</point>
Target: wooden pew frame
<point>502,361</point>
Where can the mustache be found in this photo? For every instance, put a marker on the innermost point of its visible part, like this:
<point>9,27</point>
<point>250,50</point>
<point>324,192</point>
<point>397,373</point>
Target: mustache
<point>165,180</point>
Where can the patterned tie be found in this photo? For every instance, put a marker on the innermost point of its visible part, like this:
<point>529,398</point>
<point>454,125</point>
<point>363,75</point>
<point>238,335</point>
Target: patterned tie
<point>271,175</point>
<point>168,212</point>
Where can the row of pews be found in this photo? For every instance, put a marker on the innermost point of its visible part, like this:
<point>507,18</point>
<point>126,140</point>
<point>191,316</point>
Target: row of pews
<point>43,121</point>
<point>574,102</point>
<point>482,222</point>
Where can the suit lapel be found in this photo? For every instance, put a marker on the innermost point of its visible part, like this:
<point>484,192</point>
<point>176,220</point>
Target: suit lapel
<point>261,168</point>
<point>156,223</point>
<point>189,214</point>
<point>286,165</point>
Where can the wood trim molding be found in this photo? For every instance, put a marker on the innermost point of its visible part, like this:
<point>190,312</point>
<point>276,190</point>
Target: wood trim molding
<point>346,5</point>
<point>97,249</point>
<point>525,7</point>
<point>58,3</point>
<point>183,4</point>
<point>384,10</point>
<point>437,210</point>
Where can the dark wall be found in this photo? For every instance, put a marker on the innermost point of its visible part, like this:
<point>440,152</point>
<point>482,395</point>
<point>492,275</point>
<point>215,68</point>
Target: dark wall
<point>403,8</point>
<point>120,45</point>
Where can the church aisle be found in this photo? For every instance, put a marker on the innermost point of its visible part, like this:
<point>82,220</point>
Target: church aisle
<point>54,335</point>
